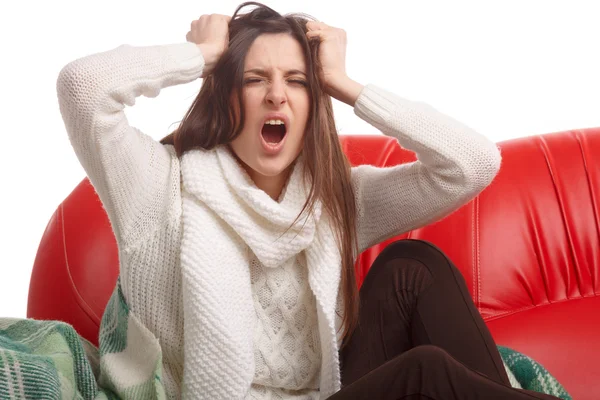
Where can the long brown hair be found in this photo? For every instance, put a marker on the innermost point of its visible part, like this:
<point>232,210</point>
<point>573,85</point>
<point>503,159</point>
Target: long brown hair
<point>211,121</point>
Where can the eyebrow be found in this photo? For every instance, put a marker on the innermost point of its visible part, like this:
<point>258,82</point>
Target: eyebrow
<point>262,72</point>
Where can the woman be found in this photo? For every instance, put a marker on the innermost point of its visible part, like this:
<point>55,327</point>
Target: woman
<point>238,233</point>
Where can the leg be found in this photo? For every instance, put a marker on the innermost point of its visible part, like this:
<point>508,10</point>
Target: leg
<point>430,373</point>
<point>413,295</point>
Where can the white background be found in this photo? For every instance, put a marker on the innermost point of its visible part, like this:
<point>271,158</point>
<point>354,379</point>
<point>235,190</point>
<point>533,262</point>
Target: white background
<point>506,68</point>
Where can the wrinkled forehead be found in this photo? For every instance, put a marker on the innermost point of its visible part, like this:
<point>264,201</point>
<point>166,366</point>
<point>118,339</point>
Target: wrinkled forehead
<point>275,52</point>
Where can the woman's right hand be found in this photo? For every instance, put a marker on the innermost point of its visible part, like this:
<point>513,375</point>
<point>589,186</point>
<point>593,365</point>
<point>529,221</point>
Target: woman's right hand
<point>211,34</point>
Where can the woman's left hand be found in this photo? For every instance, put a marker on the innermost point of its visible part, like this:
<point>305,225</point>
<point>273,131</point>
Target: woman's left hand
<point>332,56</point>
<point>332,50</point>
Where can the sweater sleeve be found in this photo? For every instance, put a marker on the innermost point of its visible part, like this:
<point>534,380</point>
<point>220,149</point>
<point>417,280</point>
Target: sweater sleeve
<point>134,175</point>
<point>454,164</point>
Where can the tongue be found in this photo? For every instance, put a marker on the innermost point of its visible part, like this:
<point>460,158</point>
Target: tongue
<point>273,133</point>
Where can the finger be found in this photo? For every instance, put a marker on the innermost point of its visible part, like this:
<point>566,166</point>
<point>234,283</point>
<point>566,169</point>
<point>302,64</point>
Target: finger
<point>188,36</point>
<point>315,25</point>
<point>316,34</point>
<point>310,25</point>
<point>226,18</point>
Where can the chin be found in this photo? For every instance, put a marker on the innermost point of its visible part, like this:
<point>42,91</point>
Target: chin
<point>257,163</point>
<point>272,167</point>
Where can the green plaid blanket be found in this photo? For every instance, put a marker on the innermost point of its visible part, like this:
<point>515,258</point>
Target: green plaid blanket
<point>526,373</point>
<point>49,360</point>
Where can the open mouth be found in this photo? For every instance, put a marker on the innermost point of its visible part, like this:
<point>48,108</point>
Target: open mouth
<point>273,131</point>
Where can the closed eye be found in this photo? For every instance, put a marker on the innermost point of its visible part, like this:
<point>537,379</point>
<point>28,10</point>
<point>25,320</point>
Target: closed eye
<point>298,82</point>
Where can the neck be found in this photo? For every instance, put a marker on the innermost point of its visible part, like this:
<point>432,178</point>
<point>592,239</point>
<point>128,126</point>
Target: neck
<point>271,185</point>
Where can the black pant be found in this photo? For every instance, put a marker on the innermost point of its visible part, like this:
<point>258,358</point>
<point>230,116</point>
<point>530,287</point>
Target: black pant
<point>420,335</point>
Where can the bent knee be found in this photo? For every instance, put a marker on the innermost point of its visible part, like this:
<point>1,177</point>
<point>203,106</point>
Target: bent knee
<point>415,248</point>
<point>427,356</point>
<point>420,250</point>
<point>411,249</point>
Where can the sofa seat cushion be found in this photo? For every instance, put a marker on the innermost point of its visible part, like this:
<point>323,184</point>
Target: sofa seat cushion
<point>564,337</point>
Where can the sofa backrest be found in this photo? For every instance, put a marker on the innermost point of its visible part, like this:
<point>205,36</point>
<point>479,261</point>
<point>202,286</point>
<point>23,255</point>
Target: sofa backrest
<point>532,237</point>
<point>528,247</point>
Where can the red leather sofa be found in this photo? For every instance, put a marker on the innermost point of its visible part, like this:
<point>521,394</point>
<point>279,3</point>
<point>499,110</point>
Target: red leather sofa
<point>528,247</point>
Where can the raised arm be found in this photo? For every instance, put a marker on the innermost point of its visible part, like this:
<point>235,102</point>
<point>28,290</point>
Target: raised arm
<point>454,164</point>
<point>135,176</point>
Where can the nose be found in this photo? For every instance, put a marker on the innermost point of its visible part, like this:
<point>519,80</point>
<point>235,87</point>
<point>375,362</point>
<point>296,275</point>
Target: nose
<point>276,95</point>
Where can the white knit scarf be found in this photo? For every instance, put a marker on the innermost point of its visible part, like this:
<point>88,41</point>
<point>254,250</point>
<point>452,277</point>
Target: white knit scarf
<point>225,216</point>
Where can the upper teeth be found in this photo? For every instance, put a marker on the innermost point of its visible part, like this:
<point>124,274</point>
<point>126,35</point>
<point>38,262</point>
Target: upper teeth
<point>274,122</point>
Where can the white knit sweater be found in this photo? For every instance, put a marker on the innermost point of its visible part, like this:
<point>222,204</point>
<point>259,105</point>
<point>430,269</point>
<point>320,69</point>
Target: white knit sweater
<point>138,181</point>
<point>287,349</point>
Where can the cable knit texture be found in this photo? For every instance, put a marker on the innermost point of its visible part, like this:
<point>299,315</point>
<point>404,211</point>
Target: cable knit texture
<point>198,242</point>
<point>287,349</point>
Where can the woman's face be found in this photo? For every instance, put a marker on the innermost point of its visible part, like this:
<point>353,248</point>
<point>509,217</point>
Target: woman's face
<point>276,105</point>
